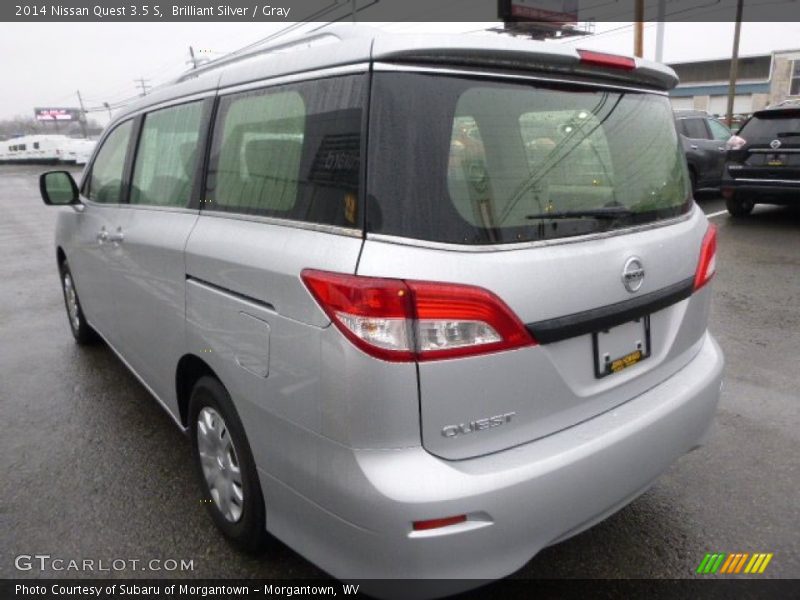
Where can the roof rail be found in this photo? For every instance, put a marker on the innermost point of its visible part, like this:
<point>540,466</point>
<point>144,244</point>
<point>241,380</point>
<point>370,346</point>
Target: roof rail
<point>789,102</point>
<point>338,32</point>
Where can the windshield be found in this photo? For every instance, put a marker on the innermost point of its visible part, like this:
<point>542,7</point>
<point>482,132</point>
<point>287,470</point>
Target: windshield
<point>472,161</point>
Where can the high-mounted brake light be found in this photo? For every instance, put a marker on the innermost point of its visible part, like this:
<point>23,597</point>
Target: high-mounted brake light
<point>707,265</point>
<point>601,59</point>
<point>399,320</point>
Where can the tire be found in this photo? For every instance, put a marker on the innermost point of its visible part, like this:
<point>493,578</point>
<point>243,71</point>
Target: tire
<point>739,207</point>
<point>81,330</point>
<point>220,448</point>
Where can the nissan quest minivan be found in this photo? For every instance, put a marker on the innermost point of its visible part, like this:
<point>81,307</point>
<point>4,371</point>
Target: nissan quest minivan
<point>424,305</point>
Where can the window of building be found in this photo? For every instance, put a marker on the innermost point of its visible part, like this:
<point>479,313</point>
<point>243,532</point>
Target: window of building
<point>35,145</point>
<point>794,86</point>
<point>22,147</point>
<point>167,156</point>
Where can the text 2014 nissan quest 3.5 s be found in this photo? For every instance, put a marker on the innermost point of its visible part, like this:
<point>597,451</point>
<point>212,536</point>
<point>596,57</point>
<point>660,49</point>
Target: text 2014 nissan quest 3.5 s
<point>424,305</point>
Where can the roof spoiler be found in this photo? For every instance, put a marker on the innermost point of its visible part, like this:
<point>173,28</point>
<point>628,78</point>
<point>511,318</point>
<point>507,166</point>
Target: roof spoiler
<point>515,54</point>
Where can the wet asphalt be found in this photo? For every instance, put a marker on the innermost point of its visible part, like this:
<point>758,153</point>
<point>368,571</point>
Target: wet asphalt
<point>91,467</point>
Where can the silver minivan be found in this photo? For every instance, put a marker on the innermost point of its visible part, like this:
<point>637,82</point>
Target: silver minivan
<point>424,305</point>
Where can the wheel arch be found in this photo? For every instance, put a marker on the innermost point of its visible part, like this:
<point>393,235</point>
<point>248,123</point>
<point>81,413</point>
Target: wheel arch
<point>190,368</point>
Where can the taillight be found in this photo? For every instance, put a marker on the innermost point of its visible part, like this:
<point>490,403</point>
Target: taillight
<point>399,320</point>
<point>735,143</point>
<point>601,59</point>
<point>707,265</point>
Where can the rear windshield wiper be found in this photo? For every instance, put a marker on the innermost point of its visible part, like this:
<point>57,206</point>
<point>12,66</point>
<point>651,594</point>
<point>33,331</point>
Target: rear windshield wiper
<point>788,133</point>
<point>610,212</point>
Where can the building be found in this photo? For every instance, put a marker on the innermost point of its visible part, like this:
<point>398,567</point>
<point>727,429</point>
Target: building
<point>762,80</point>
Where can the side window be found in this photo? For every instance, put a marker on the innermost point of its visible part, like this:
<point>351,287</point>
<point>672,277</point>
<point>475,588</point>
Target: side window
<point>695,129</point>
<point>105,181</point>
<point>258,166</point>
<point>166,156</point>
<point>719,131</point>
<point>291,152</point>
<point>794,87</point>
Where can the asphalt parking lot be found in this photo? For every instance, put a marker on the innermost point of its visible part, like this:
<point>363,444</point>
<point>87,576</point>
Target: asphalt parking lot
<point>91,467</point>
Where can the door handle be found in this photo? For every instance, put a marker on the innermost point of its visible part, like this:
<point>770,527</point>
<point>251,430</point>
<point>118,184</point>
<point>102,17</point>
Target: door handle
<point>102,236</point>
<point>693,146</point>
<point>116,237</point>
<point>722,148</point>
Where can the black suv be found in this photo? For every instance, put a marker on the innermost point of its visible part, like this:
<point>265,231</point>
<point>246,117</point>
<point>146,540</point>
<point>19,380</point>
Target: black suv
<point>763,161</point>
<point>703,138</point>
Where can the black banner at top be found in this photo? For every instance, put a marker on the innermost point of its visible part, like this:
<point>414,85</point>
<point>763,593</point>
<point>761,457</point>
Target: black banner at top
<point>519,11</point>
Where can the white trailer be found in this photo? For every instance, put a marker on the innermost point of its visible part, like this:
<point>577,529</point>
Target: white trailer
<point>78,151</point>
<point>44,149</point>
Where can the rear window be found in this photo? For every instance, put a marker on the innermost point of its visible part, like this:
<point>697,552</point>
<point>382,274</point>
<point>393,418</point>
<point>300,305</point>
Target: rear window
<point>781,124</point>
<point>471,161</point>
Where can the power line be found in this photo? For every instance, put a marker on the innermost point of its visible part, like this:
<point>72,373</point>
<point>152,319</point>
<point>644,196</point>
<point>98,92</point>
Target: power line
<point>365,7</point>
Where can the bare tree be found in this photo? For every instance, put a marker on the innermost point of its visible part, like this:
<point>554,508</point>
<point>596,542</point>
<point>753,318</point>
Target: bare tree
<point>20,125</point>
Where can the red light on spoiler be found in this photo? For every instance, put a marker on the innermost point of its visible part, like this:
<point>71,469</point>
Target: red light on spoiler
<point>612,61</point>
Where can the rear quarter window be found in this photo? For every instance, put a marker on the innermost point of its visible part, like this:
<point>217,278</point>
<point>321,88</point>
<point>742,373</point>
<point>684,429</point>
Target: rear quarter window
<point>291,152</point>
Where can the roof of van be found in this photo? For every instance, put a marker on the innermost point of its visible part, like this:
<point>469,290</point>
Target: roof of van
<point>341,45</point>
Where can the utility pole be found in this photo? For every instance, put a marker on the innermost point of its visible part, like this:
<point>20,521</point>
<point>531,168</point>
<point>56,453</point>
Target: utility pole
<point>142,83</point>
<point>108,108</point>
<point>734,61</point>
<point>82,117</point>
<point>194,60</point>
<point>638,29</point>
<point>660,30</point>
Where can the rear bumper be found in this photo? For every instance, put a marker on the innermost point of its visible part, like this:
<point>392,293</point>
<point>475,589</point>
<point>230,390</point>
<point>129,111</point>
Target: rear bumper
<point>518,501</point>
<point>776,191</point>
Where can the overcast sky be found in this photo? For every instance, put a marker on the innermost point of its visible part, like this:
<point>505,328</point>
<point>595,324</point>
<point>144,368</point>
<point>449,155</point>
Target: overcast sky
<point>45,63</point>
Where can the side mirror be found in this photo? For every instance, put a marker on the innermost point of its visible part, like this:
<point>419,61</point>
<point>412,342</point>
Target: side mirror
<point>58,188</point>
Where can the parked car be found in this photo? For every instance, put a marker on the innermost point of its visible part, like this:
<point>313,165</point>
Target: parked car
<point>703,139</point>
<point>400,365</point>
<point>763,161</point>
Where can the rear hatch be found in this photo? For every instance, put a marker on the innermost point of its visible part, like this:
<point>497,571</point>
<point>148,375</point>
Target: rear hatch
<point>570,203</point>
<point>771,147</point>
